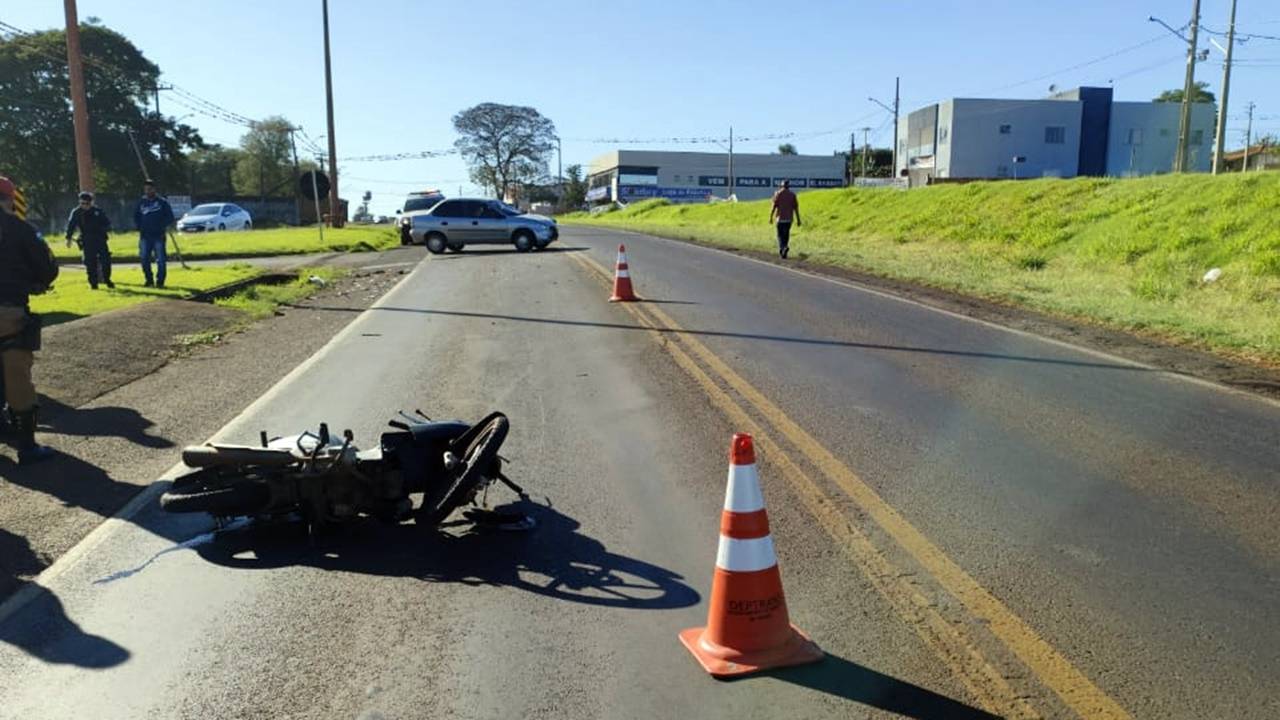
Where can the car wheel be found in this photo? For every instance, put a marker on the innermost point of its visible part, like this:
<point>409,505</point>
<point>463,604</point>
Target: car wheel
<point>541,245</point>
<point>222,226</point>
<point>524,241</point>
<point>436,243</point>
<point>456,247</point>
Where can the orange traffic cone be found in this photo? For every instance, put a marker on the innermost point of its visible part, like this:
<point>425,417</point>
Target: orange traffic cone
<point>622,291</point>
<point>747,626</point>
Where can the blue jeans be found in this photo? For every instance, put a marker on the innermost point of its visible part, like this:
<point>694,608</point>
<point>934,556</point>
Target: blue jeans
<point>147,247</point>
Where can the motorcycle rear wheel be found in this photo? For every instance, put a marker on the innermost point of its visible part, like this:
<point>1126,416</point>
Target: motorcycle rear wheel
<point>220,495</point>
<point>478,451</point>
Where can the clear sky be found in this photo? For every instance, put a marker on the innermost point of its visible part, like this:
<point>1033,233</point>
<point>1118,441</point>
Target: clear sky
<point>622,69</point>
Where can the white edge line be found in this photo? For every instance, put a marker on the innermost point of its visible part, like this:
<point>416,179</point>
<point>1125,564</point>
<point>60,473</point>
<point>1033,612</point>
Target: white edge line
<point>103,531</point>
<point>1210,384</point>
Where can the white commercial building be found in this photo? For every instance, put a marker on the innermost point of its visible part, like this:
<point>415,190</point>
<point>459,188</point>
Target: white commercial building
<point>1077,132</point>
<point>630,175</point>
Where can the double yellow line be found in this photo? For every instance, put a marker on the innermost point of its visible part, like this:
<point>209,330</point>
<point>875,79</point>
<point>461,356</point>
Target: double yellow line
<point>951,641</point>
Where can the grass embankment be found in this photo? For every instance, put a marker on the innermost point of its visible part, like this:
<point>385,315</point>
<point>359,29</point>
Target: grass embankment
<point>260,301</point>
<point>255,243</point>
<point>71,297</point>
<point>1124,253</point>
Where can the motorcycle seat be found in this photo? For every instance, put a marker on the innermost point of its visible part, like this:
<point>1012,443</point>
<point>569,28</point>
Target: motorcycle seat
<point>200,456</point>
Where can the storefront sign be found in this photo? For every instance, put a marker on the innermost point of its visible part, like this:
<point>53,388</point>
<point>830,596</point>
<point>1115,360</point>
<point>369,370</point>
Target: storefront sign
<point>713,180</point>
<point>826,182</point>
<point>751,181</point>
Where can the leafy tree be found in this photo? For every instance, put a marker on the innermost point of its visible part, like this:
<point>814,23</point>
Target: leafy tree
<point>575,187</point>
<point>787,149</point>
<point>211,171</point>
<point>504,144</point>
<point>1200,94</point>
<point>37,143</point>
<point>265,163</point>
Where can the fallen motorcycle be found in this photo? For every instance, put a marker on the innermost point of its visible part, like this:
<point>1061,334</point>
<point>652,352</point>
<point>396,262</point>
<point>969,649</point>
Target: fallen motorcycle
<point>327,481</point>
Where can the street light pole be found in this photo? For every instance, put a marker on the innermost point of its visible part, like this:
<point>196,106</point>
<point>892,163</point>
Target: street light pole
<point>335,218</point>
<point>1220,140</point>
<point>730,195</point>
<point>79,101</point>
<point>559,172</point>
<point>896,101</point>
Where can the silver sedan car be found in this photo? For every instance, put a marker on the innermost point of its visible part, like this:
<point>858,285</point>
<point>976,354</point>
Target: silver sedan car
<point>457,223</point>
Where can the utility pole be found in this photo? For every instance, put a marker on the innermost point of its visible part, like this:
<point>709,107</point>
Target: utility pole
<point>1226,88</point>
<point>866,147</point>
<point>1248,138</point>
<point>559,172</point>
<point>79,101</point>
<point>896,101</point>
<point>335,215</point>
<point>730,195</point>
<point>1188,87</point>
<point>297,201</point>
<point>853,150</point>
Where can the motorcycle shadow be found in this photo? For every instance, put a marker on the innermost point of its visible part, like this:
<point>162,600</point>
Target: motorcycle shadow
<point>554,559</point>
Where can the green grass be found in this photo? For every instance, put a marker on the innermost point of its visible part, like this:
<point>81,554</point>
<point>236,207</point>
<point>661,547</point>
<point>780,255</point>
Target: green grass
<point>71,297</point>
<point>260,301</point>
<point>255,243</point>
<point>1123,253</point>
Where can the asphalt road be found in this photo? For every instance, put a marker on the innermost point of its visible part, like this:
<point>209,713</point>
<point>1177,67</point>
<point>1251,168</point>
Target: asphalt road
<point>967,519</point>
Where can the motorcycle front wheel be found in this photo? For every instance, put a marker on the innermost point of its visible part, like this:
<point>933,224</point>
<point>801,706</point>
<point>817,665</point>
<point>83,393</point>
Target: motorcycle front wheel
<point>218,494</point>
<point>477,452</point>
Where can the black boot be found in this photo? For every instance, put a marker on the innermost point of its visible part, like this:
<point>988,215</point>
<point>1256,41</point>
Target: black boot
<point>28,451</point>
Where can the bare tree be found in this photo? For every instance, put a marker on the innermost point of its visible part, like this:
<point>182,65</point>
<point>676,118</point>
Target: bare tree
<point>504,144</point>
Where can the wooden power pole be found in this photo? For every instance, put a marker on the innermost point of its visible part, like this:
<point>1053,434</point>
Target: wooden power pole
<point>335,209</point>
<point>79,101</point>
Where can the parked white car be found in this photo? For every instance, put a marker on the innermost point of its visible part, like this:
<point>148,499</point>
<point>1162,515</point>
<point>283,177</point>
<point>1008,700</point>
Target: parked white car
<point>215,216</point>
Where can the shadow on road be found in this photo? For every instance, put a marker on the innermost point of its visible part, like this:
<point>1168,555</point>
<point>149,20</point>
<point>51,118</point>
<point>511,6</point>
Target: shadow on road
<point>122,422</point>
<point>41,628</point>
<point>500,250</point>
<point>842,678</point>
<point>772,338</point>
<point>554,559</point>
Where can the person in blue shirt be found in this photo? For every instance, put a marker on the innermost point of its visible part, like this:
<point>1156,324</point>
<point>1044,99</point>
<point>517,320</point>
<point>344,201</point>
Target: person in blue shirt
<point>152,216</point>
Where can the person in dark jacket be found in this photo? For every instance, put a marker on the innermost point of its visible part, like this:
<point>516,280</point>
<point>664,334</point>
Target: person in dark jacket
<point>153,216</point>
<point>94,226</point>
<point>26,267</point>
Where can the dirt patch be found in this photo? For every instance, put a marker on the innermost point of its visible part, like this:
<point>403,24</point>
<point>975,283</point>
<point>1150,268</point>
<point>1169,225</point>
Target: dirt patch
<point>92,356</point>
<point>1157,352</point>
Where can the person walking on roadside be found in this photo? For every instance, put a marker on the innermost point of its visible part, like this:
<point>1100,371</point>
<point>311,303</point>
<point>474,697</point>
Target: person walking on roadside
<point>785,208</point>
<point>94,227</point>
<point>153,216</point>
<point>26,267</point>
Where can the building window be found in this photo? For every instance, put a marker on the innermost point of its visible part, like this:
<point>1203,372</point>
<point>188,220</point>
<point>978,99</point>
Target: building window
<point>1134,137</point>
<point>1197,137</point>
<point>1055,135</point>
<point>1006,129</point>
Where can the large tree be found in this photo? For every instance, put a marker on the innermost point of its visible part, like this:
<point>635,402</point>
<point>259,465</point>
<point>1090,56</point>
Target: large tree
<point>787,149</point>
<point>1199,94</point>
<point>265,163</point>
<point>504,144</point>
<point>37,143</point>
<point>211,171</point>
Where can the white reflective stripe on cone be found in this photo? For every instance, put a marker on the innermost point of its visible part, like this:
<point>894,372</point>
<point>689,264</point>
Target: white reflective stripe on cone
<point>624,274</point>
<point>746,555</point>
<point>742,494</point>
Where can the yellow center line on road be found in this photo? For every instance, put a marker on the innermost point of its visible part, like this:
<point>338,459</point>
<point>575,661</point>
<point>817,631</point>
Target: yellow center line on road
<point>1045,662</point>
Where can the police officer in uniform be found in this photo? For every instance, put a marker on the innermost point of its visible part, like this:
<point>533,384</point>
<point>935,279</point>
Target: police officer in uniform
<point>26,266</point>
<point>94,225</point>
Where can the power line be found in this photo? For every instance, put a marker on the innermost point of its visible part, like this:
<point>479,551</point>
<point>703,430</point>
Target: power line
<point>1077,66</point>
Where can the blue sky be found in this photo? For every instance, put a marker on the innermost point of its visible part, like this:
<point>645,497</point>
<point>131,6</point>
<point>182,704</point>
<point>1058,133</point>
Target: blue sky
<point>659,69</point>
